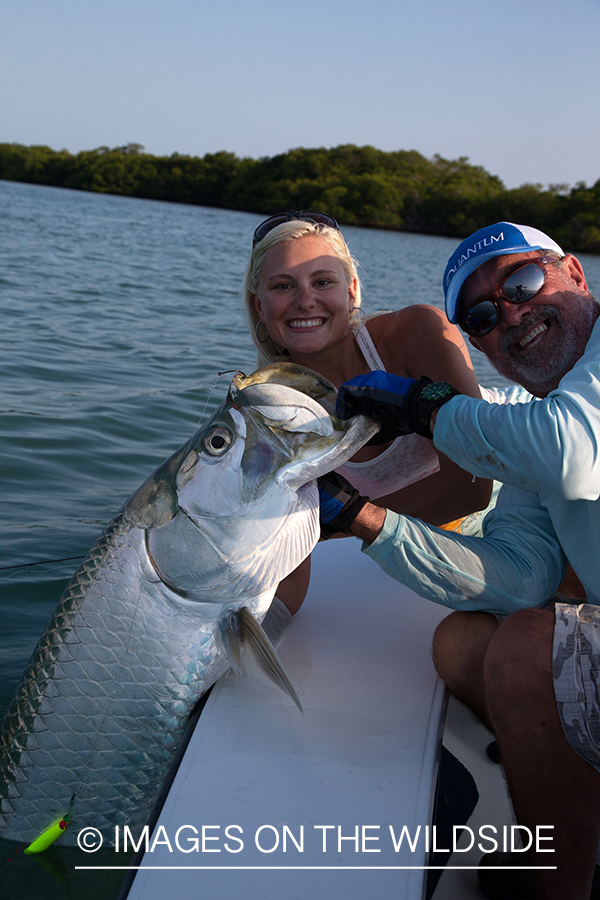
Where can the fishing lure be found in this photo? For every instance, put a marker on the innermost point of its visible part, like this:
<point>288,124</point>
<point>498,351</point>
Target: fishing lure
<point>48,836</point>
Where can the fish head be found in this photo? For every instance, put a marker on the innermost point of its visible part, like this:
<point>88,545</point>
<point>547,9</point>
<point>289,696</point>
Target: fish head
<point>293,434</point>
<point>237,508</point>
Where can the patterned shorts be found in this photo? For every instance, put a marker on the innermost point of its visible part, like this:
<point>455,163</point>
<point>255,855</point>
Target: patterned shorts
<point>576,672</point>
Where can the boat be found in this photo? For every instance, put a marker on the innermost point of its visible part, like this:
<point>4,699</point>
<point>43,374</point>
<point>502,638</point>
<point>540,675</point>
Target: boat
<point>340,800</point>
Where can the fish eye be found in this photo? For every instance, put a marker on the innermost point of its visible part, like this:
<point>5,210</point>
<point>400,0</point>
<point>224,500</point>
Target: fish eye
<point>217,441</point>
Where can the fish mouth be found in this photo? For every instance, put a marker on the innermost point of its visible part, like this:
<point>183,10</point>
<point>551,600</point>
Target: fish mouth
<point>302,379</point>
<point>286,407</point>
<point>310,399</point>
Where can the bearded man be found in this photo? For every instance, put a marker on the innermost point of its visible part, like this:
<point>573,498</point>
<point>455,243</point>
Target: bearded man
<point>528,667</point>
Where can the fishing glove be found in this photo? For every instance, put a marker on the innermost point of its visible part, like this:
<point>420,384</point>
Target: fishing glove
<point>402,405</point>
<point>340,504</point>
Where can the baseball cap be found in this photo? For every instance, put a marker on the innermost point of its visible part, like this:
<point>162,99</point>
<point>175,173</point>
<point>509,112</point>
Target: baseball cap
<point>495,240</point>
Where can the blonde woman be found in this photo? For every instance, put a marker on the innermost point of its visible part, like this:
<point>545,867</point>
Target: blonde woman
<point>303,300</point>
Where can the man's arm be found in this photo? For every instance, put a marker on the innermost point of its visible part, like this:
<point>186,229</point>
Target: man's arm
<point>518,563</point>
<point>368,523</point>
<point>550,445</point>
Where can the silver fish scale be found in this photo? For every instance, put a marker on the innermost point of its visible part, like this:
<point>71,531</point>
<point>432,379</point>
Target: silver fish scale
<point>103,703</point>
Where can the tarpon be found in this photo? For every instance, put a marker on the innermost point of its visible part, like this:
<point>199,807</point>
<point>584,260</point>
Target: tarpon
<point>165,603</point>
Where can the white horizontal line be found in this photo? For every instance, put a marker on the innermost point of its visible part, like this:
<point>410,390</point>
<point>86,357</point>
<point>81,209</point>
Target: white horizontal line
<point>323,868</point>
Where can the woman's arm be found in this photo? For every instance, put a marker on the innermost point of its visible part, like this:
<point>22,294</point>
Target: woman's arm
<point>292,590</point>
<point>416,341</point>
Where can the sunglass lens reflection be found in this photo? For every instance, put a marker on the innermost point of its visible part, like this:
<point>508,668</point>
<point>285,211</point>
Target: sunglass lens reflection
<point>481,318</point>
<point>523,284</point>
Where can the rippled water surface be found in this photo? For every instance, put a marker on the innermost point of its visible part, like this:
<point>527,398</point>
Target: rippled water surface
<point>116,315</point>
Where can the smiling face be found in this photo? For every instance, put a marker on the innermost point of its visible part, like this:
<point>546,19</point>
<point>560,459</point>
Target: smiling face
<point>537,342</point>
<point>303,297</point>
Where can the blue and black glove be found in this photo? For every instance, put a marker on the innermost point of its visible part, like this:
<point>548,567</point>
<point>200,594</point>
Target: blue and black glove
<point>340,504</point>
<point>402,405</point>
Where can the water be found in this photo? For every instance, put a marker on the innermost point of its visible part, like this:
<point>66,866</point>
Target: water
<point>117,314</point>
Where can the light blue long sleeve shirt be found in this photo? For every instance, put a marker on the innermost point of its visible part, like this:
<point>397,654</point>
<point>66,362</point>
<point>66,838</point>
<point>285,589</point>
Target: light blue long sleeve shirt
<point>547,452</point>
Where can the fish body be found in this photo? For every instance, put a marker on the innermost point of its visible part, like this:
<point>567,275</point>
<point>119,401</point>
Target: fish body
<point>150,619</point>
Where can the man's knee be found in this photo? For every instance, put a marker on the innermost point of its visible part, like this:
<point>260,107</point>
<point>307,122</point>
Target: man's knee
<point>460,638</point>
<point>462,629</point>
<point>519,655</point>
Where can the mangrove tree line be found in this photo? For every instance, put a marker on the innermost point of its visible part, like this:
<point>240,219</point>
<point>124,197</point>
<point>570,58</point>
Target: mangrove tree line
<point>402,190</point>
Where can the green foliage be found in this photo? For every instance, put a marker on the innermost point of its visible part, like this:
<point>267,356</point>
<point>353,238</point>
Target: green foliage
<point>402,190</point>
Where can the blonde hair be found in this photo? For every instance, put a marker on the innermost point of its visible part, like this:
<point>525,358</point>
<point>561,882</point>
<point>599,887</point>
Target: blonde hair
<point>268,350</point>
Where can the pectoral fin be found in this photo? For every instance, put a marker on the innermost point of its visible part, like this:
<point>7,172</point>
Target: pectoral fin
<point>251,650</point>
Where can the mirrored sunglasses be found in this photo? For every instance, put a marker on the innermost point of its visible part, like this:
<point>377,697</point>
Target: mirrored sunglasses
<point>318,218</point>
<point>520,286</point>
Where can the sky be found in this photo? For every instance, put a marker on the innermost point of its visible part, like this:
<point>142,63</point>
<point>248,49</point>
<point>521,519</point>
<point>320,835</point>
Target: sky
<point>512,85</point>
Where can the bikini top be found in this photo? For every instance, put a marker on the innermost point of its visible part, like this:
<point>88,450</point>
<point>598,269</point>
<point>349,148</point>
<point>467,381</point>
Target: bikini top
<point>408,459</point>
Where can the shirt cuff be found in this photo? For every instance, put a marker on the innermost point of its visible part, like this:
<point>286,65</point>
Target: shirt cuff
<point>391,524</point>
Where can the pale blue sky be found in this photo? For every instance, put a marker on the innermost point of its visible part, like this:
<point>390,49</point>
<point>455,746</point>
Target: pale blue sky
<point>514,84</point>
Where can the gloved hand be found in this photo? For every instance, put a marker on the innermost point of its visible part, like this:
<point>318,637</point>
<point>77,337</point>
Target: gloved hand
<point>402,405</point>
<point>340,504</point>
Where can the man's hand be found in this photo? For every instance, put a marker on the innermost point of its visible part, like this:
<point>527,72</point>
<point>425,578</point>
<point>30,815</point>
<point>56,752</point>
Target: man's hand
<point>402,405</point>
<point>344,511</point>
<point>340,504</point>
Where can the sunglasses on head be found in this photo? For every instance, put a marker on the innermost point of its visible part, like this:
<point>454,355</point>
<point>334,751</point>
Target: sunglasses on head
<point>269,224</point>
<point>520,286</point>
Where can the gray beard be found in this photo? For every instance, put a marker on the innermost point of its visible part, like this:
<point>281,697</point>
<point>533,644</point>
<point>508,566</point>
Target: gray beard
<point>541,373</point>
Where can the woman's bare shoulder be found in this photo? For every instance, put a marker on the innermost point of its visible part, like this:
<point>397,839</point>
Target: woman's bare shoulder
<point>406,329</point>
<point>421,315</point>
<point>420,340</point>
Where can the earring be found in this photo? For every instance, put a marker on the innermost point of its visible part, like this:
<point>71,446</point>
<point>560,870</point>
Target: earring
<point>258,337</point>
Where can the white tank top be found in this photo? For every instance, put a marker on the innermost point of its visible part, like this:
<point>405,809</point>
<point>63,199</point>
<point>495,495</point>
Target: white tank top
<point>410,458</point>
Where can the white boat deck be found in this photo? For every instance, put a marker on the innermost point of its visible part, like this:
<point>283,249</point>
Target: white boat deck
<point>363,756</point>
